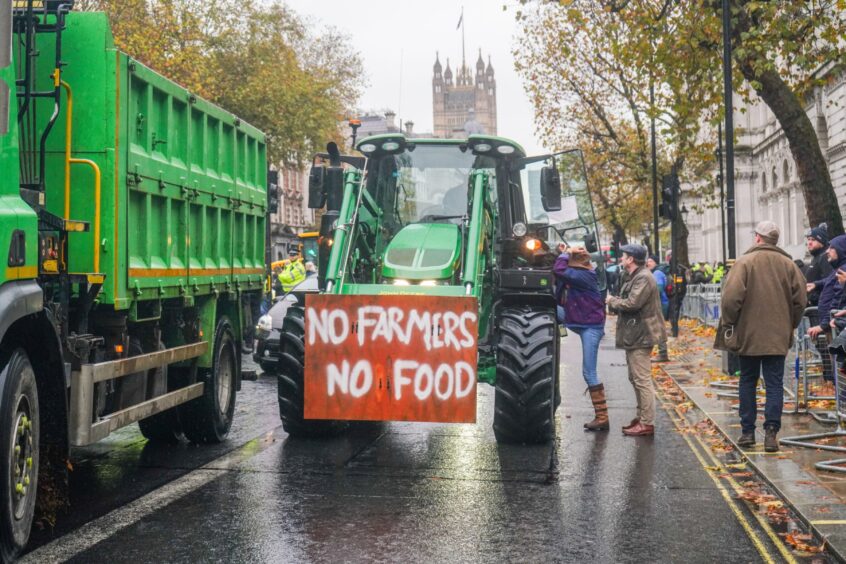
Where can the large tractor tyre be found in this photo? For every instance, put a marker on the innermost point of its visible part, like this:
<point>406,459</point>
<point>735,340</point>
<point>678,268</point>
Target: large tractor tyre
<point>208,418</point>
<point>291,381</point>
<point>19,450</point>
<point>165,427</point>
<point>527,362</point>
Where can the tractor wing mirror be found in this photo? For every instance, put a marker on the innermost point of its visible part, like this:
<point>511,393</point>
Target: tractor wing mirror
<point>334,188</point>
<point>550,181</point>
<point>316,192</point>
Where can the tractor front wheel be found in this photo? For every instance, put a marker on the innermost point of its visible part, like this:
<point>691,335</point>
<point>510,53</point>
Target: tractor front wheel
<point>291,381</point>
<point>526,374</point>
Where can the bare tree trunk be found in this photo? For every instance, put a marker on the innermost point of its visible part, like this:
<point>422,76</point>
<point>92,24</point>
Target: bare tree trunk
<point>820,199</point>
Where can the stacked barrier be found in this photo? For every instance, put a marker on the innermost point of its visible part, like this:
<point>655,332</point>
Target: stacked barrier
<point>702,302</point>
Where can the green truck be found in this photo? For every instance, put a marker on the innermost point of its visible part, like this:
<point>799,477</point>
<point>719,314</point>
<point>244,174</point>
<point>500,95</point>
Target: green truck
<point>133,217</point>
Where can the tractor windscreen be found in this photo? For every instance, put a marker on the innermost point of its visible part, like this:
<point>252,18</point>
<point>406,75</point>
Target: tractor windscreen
<point>425,183</point>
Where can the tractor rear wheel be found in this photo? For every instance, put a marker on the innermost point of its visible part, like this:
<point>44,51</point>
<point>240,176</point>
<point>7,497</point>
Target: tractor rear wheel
<point>526,374</point>
<point>291,381</point>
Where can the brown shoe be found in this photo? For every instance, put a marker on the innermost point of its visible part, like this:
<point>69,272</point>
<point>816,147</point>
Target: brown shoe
<point>633,422</point>
<point>600,408</point>
<point>640,430</point>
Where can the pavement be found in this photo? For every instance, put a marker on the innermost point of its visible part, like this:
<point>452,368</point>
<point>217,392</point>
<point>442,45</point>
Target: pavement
<point>416,492</point>
<point>815,498</point>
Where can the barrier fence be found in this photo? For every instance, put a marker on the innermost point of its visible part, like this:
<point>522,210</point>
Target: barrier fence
<point>702,302</point>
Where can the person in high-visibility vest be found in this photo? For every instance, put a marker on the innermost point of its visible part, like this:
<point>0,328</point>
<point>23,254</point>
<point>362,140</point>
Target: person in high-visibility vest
<point>293,273</point>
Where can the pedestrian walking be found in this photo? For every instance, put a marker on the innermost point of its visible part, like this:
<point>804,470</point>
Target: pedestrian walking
<point>763,300</point>
<point>640,326</point>
<point>584,314</point>
<point>661,282</point>
<point>830,291</point>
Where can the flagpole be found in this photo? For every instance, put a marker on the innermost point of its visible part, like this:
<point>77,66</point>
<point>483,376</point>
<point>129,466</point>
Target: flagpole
<point>463,63</point>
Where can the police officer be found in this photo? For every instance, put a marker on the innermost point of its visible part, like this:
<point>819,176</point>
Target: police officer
<point>292,273</point>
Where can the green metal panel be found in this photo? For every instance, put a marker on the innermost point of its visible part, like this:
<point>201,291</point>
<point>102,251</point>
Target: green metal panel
<point>15,214</point>
<point>183,193</point>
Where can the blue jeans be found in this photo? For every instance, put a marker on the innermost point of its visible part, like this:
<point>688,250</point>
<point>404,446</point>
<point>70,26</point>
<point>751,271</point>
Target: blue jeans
<point>590,337</point>
<point>751,367</point>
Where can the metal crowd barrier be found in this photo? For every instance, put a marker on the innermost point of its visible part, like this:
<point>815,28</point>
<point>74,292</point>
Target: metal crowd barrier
<point>810,441</point>
<point>807,358</point>
<point>702,302</point>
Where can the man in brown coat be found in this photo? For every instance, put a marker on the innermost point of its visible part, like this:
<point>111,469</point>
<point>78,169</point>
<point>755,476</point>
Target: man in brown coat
<point>762,303</point>
<point>640,326</point>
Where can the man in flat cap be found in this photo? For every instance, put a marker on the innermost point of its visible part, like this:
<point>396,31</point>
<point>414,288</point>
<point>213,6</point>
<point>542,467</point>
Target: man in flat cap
<point>640,326</point>
<point>763,300</point>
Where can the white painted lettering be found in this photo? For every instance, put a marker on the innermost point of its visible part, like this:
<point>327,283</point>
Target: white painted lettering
<point>444,373</point>
<point>338,336</point>
<point>339,378</point>
<point>401,379</point>
<point>361,379</point>
<point>424,381</point>
<point>466,318</point>
<point>462,368</point>
<point>317,325</point>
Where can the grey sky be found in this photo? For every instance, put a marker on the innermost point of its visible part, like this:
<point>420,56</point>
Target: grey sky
<point>386,31</point>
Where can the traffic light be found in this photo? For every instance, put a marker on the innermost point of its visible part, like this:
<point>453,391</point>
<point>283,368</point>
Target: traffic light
<point>272,191</point>
<point>669,195</point>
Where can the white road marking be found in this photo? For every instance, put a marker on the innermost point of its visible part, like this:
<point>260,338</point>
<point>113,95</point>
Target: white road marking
<point>100,529</point>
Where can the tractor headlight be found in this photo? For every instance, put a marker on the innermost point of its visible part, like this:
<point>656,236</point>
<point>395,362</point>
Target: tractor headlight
<point>264,326</point>
<point>428,282</point>
<point>519,229</point>
<point>401,282</point>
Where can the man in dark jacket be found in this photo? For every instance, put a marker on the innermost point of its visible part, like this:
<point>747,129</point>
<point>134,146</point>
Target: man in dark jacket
<point>830,291</point>
<point>819,267</point>
<point>762,303</point>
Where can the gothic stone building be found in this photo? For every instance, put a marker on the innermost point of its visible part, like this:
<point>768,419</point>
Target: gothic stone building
<point>766,183</point>
<point>468,99</point>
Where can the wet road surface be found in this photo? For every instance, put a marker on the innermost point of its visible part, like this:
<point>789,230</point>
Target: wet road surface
<point>402,492</point>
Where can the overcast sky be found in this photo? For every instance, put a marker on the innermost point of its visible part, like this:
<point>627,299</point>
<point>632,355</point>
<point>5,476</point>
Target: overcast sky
<point>387,32</point>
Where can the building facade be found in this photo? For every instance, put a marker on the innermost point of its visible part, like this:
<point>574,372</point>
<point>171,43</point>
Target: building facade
<point>465,98</point>
<point>294,216</point>
<point>766,183</point>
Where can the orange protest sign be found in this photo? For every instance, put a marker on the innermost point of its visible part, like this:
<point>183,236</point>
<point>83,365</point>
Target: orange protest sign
<point>391,358</point>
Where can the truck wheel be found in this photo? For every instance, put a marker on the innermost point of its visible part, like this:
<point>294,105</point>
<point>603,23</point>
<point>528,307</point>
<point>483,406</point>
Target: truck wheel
<point>165,427</point>
<point>524,406</point>
<point>208,418</point>
<point>19,433</point>
<point>291,381</point>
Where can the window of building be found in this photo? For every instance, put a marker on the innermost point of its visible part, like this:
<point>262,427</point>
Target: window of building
<point>785,171</point>
<point>775,179</point>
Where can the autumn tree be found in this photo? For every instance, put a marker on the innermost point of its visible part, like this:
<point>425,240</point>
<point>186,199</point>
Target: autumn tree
<point>260,61</point>
<point>783,50</point>
<point>591,73</point>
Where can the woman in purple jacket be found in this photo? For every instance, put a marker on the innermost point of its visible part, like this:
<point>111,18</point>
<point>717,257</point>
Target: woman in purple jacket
<point>584,314</point>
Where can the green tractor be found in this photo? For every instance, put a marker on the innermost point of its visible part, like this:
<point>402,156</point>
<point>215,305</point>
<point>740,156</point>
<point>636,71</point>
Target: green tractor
<point>467,225</point>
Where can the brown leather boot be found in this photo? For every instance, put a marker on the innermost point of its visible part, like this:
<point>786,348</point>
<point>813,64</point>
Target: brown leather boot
<point>600,420</point>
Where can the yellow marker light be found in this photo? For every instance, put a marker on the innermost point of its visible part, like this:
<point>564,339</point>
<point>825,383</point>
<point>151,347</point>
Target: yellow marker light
<point>533,244</point>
